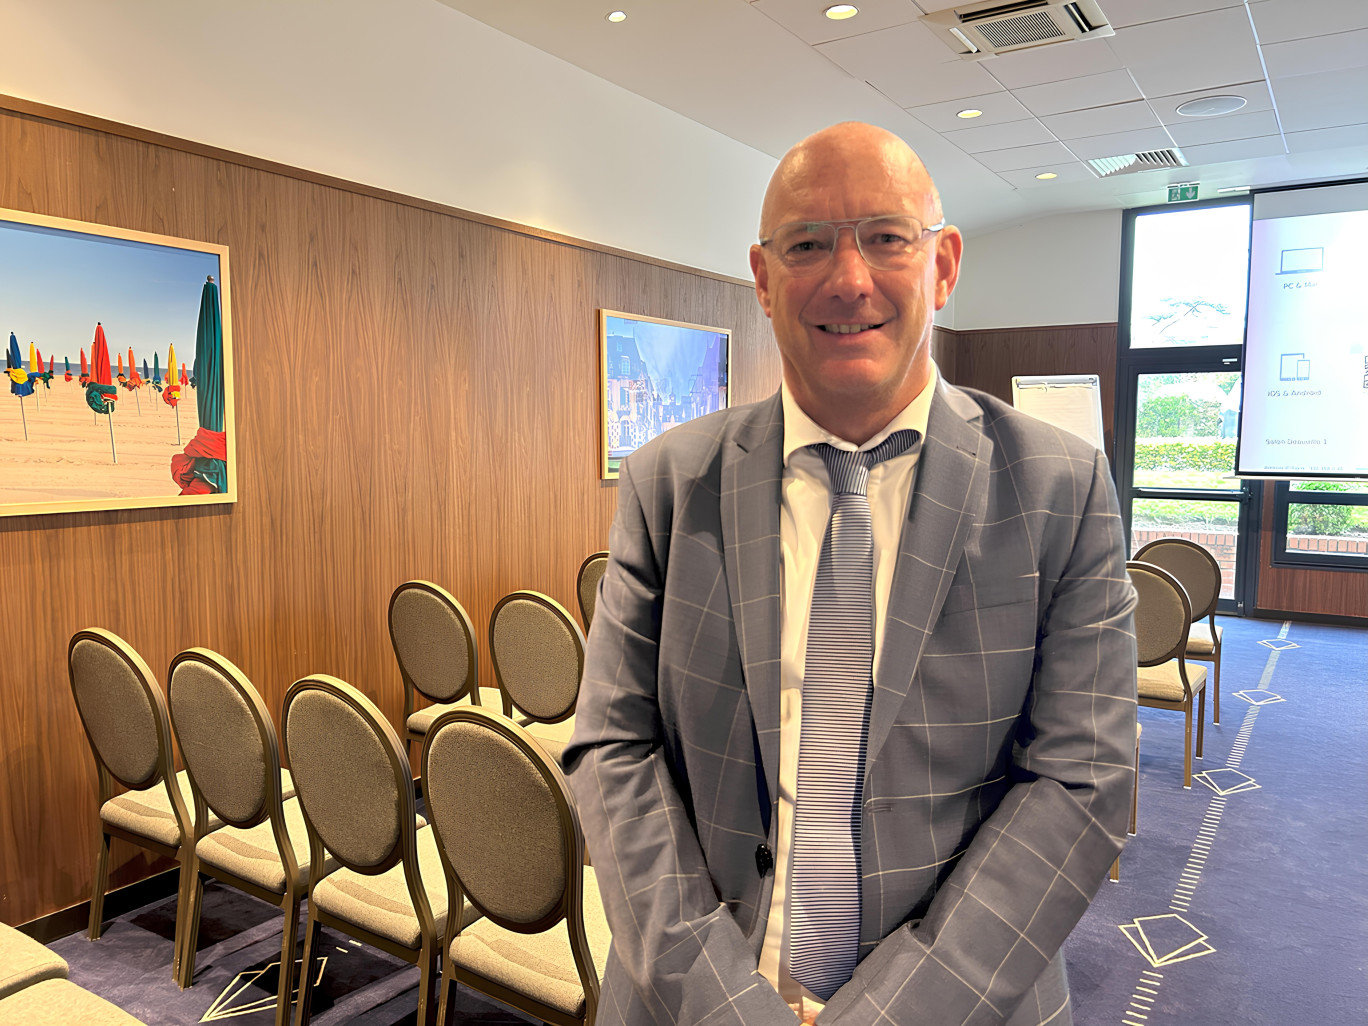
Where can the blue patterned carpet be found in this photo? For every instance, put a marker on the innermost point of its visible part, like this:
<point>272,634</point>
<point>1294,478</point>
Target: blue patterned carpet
<point>1250,906</point>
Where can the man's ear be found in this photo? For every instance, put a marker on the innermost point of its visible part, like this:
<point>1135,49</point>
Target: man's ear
<point>949,248</point>
<point>761,272</point>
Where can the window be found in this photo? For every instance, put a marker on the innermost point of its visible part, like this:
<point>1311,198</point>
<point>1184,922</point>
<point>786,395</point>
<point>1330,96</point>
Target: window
<point>1321,524</point>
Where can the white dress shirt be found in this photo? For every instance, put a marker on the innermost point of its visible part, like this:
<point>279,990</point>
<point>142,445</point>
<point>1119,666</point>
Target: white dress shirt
<point>805,509</point>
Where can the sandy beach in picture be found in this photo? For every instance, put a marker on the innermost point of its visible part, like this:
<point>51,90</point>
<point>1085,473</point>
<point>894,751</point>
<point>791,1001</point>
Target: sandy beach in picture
<point>66,457</point>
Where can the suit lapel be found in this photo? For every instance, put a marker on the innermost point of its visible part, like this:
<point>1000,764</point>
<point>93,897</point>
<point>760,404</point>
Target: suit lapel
<point>752,466</point>
<point>948,497</point>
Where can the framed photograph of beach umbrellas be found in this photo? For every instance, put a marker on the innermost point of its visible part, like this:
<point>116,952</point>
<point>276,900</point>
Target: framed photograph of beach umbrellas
<point>118,387</point>
<point>655,374</point>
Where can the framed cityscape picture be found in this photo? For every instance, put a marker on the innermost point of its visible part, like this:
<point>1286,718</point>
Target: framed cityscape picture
<point>655,374</point>
<point>118,387</point>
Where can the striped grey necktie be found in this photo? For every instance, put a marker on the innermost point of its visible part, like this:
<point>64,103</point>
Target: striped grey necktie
<point>824,891</point>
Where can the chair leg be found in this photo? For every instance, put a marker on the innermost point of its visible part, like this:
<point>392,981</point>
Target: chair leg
<point>1187,746</point>
<point>427,985</point>
<point>1216,684</point>
<point>447,997</point>
<point>1135,788</point>
<point>288,975</point>
<point>1201,720</point>
<point>98,888</point>
<point>306,975</point>
<point>189,914</point>
<point>1115,873</point>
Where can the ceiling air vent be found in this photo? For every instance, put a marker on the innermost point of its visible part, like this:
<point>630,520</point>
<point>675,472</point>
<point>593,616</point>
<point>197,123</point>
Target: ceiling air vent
<point>1130,163</point>
<point>980,30</point>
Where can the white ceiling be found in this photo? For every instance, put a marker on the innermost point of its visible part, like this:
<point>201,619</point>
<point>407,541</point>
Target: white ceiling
<point>768,72</point>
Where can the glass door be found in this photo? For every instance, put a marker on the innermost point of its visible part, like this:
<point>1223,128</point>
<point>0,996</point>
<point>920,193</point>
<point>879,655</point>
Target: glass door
<point>1180,475</point>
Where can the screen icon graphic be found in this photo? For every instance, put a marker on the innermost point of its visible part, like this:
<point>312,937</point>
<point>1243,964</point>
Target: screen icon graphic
<point>1302,261</point>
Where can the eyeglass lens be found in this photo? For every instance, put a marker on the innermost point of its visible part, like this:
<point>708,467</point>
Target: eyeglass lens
<point>886,243</point>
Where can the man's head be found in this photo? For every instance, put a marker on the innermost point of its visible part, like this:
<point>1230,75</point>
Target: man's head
<point>854,339</point>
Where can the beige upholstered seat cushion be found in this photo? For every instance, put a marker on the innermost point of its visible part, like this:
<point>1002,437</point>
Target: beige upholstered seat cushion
<point>252,854</point>
<point>540,965</point>
<point>1163,682</point>
<point>24,962</point>
<point>1200,642</point>
<point>551,736</point>
<point>419,722</point>
<point>61,1003</point>
<point>148,813</point>
<point>381,904</point>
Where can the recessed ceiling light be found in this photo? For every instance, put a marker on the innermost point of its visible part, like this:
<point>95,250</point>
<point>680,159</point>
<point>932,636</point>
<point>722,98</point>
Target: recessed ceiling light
<point>1046,176</point>
<point>1210,106</point>
<point>840,12</point>
<point>970,113</point>
<point>616,16</point>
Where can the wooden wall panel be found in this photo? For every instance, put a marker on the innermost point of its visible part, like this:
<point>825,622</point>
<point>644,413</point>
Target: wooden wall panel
<point>417,397</point>
<point>988,359</point>
<point>1284,589</point>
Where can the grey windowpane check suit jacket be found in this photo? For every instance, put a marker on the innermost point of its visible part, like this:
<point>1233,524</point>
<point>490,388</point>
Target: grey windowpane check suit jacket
<point>1002,732</point>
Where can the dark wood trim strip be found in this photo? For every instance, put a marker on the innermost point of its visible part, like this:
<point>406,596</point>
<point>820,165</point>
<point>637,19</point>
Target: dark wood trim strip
<point>74,919</point>
<point>1026,327</point>
<point>75,119</point>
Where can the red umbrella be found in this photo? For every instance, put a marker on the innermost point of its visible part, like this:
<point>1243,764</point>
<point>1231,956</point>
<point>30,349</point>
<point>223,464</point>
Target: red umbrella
<point>85,371</point>
<point>100,391</point>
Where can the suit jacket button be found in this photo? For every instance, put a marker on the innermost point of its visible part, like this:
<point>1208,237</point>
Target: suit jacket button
<point>764,859</point>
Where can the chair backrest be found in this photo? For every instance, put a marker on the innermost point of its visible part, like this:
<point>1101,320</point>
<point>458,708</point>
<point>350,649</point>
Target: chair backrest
<point>1194,566</point>
<point>434,641</point>
<point>538,655</point>
<point>226,737</point>
<point>587,583</point>
<point>350,773</point>
<point>1162,613</point>
<point>507,829</point>
<point>121,708</point>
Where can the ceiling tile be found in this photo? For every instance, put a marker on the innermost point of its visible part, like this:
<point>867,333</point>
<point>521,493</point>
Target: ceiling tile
<point>1321,101</point>
<point>1117,143</point>
<point>1238,149</point>
<point>1278,20</point>
<point>1118,117</point>
<point>1195,52</point>
<point>805,19</point>
<point>1121,13</point>
<point>909,65</point>
<point>1052,63</point>
<point>1256,95</point>
<point>1316,54</point>
<point>1000,137</point>
<point>1064,174</point>
<point>1078,93</point>
<point>1024,156</point>
<point>1327,138</point>
<point>997,108</point>
<point>1195,131</point>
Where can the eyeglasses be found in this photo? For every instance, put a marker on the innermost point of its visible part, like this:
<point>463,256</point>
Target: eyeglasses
<point>887,242</point>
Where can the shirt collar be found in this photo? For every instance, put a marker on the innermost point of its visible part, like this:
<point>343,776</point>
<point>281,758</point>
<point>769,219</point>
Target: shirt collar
<point>800,430</point>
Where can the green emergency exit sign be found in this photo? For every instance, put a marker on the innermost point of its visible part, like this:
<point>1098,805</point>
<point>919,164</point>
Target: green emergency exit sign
<point>1180,193</point>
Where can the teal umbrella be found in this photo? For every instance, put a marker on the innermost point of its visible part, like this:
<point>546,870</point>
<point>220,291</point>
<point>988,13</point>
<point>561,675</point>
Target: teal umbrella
<point>209,359</point>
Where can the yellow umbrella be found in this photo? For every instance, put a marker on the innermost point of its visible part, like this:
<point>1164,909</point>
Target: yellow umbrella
<point>172,394</point>
<point>33,369</point>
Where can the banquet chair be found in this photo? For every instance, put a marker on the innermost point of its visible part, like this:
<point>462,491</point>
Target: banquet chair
<point>511,843</point>
<point>356,789</point>
<point>24,962</point>
<point>232,757</point>
<point>434,644</point>
<point>1135,803</point>
<point>587,584</point>
<point>125,719</point>
<point>1200,575</point>
<point>538,655</point>
<point>1162,615</point>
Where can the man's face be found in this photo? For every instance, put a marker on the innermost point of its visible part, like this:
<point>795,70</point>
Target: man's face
<point>849,334</point>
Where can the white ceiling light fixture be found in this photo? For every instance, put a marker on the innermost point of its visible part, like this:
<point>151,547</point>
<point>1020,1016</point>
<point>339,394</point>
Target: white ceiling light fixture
<point>1210,106</point>
<point>840,12</point>
<point>970,112</point>
<point>616,16</point>
<point>1235,188</point>
<point>1046,176</point>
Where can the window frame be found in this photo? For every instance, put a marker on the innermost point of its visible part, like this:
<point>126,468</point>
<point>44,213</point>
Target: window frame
<point>1283,497</point>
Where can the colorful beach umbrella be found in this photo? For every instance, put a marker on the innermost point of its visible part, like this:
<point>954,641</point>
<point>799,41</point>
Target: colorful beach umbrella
<point>203,467</point>
<point>32,349</point>
<point>66,361</point>
<point>85,370</point>
<point>156,369</point>
<point>173,390</point>
<point>101,392</point>
<point>20,382</point>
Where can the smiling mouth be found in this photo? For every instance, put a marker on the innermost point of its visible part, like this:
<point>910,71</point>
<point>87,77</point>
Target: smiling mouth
<point>848,329</point>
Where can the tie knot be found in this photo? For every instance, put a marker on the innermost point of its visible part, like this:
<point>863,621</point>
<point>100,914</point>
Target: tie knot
<point>850,470</point>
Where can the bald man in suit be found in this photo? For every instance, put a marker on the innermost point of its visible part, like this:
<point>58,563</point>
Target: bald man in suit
<point>994,717</point>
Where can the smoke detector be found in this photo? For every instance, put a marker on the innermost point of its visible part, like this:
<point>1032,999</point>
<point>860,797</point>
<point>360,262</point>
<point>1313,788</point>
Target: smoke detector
<point>975,31</point>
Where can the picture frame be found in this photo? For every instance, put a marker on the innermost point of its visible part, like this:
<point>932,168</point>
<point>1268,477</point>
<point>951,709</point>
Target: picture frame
<point>655,374</point>
<point>161,433</point>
